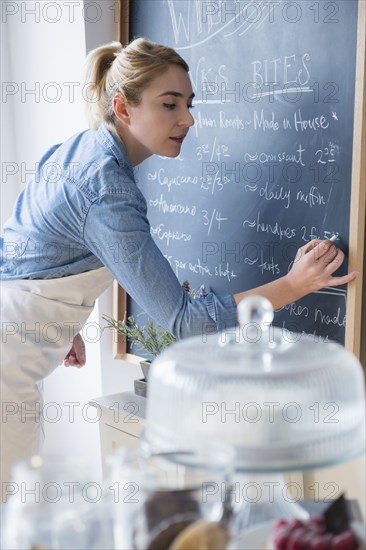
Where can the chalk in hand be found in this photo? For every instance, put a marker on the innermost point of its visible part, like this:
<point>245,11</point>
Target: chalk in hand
<point>333,238</point>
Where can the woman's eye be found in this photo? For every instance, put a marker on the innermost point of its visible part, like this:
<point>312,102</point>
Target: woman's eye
<point>190,106</point>
<point>169,106</point>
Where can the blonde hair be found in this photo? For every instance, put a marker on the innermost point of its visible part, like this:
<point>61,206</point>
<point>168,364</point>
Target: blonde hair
<point>112,68</point>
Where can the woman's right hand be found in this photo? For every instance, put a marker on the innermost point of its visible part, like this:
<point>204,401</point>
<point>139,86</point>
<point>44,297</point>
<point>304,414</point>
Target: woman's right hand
<point>76,355</point>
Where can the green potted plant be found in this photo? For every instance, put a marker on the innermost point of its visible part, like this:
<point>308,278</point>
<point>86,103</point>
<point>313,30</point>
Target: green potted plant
<point>151,339</point>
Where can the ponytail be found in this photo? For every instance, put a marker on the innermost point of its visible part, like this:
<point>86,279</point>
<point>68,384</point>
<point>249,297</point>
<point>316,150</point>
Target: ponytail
<point>96,93</point>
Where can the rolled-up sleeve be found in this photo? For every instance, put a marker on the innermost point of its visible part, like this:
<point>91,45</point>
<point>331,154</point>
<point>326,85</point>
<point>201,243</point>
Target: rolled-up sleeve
<point>117,231</point>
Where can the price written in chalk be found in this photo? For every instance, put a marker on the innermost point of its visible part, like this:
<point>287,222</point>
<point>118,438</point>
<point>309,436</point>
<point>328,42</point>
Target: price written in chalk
<point>216,151</point>
<point>212,218</point>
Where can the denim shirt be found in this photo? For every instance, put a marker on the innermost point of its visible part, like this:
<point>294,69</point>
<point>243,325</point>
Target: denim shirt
<point>83,210</point>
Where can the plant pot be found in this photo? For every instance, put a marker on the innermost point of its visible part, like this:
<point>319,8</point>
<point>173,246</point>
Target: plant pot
<point>145,366</point>
<point>140,387</point>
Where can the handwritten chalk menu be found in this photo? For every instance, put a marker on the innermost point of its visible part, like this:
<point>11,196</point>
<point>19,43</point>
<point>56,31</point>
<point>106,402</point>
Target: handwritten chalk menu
<point>267,166</point>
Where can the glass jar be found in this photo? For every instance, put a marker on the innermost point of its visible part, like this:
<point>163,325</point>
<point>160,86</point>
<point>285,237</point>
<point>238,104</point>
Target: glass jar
<point>164,499</point>
<point>54,503</point>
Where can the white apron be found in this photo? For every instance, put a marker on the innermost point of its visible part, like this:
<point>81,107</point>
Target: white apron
<point>39,319</point>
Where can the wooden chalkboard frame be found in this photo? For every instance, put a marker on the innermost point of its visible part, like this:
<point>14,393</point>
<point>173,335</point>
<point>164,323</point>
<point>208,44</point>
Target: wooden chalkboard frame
<point>122,34</point>
<point>355,323</point>
<point>119,311</point>
<point>356,295</point>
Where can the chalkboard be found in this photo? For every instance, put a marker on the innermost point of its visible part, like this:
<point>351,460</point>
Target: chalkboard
<point>268,165</point>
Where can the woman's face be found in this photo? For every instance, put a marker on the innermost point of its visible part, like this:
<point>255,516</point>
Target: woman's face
<point>159,124</point>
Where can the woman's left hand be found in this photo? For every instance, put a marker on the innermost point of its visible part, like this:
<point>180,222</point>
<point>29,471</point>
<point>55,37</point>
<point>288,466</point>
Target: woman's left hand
<point>76,355</point>
<point>314,266</point>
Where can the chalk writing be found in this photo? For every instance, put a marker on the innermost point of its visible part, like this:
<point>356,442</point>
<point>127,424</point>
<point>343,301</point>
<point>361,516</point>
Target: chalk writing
<point>211,218</point>
<point>296,310</point>
<point>263,265</point>
<point>288,69</point>
<point>168,235</point>
<point>313,197</point>
<point>207,74</point>
<point>284,156</point>
<point>265,123</point>
<point>325,318</point>
<point>277,194</point>
<point>234,122</point>
<point>172,208</point>
<point>214,152</point>
<point>274,229</point>
<point>316,123</point>
<point>174,181</point>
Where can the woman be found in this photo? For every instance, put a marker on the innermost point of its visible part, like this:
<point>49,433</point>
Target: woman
<point>82,222</point>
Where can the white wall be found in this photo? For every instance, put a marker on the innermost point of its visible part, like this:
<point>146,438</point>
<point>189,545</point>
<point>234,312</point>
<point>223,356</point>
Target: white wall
<point>9,180</point>
<point>43,52</point>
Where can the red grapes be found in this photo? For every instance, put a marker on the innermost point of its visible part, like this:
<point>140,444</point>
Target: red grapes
<point>296,534</point>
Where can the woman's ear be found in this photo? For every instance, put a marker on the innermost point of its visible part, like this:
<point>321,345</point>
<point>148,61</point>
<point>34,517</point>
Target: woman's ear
<point>121,108</point>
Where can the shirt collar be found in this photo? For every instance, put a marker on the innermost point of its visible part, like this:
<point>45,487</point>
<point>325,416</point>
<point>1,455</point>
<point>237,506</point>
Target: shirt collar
<point>112,142</point>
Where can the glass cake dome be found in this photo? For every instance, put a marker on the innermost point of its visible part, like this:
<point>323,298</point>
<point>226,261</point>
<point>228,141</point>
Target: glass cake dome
<point>284,401</point>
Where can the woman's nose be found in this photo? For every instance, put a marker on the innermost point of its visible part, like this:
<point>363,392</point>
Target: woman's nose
<point>187,120</point>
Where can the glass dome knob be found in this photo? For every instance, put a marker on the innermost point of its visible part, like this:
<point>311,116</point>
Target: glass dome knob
<point>255,312</point>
